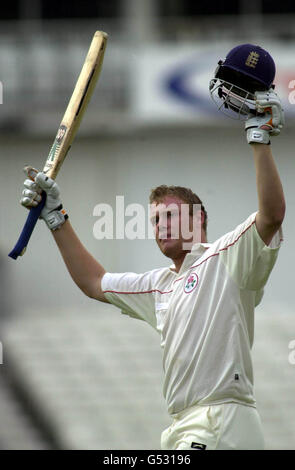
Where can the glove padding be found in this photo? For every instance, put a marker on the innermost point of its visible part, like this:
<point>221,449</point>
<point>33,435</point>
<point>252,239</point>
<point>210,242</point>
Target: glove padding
<point>53,213</point>
<point>269,120</point>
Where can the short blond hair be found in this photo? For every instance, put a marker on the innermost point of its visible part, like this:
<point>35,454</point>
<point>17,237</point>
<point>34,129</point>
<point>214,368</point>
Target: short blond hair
<point>185,194</point>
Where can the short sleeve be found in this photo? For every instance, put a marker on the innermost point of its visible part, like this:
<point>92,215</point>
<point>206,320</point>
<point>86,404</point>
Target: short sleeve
<point>132,293</point>
<point>248,260</point>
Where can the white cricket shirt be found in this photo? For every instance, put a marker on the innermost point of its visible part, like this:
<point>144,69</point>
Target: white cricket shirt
<point>204,314</point>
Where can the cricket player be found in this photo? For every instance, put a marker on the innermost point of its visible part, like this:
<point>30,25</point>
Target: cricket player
<point>203,304</point>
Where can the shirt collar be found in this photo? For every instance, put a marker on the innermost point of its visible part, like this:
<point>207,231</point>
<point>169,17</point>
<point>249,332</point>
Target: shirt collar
<point>198,249</point>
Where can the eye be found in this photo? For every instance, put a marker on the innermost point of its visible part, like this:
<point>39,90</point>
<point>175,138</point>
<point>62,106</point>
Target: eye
<point>154,220</point>
<point>172,213</point>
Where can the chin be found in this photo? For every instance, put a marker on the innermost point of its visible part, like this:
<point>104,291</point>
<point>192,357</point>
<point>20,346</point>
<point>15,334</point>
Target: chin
<point>170,248</point>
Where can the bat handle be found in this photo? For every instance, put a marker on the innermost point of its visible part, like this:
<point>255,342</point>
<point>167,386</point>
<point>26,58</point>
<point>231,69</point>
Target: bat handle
<point>28,228</point>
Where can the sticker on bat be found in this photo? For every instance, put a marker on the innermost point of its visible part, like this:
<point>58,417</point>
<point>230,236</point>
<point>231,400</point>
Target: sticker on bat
<point>56,145</point>
<point>61,133</point>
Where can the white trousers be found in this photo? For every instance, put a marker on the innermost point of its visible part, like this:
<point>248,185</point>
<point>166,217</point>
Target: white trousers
<point>228,426</point>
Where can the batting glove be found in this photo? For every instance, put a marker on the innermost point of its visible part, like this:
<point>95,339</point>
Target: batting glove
<point>53,213</point>
<point>269,119</point>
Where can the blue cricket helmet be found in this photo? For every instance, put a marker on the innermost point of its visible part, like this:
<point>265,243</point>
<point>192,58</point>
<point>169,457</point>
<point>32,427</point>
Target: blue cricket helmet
<point>246,69</point>
<point>251,61</point>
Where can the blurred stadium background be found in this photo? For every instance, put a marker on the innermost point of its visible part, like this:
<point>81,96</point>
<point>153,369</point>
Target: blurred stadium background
<point>76,374</point>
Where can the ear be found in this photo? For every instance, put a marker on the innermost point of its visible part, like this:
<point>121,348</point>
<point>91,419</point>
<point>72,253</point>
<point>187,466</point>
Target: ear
<point>200,216</point>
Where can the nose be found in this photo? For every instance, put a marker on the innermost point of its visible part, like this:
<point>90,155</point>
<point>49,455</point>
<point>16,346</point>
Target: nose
<point>163,228</point>
<point>163,222</point>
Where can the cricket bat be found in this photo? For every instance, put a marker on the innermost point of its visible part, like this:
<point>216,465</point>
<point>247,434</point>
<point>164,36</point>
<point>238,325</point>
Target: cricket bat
<point>67,130</point>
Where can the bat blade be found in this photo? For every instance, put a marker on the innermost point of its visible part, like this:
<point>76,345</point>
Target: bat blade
<point>67,130</point>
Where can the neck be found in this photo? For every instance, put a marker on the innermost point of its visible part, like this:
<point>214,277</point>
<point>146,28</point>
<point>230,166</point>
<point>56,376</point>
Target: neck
<point>179,260</point>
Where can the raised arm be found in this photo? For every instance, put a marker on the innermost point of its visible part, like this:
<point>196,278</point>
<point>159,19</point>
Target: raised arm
<point>83,268</point>
<point>85,271</point>
<point>271,200</point>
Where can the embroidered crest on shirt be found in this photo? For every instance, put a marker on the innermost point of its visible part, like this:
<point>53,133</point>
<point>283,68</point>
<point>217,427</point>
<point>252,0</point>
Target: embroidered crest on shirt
<point>191,283</point>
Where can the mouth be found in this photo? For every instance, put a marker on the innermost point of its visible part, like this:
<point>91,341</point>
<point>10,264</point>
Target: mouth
<point>167,240</point>
<point>165,236</point>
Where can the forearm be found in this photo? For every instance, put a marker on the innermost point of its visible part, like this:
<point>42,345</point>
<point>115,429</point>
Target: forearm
<point>83,268</point>
<point>271,200</point>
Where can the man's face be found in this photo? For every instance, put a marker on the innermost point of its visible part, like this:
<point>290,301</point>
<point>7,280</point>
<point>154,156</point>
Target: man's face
<point>175,230</point>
